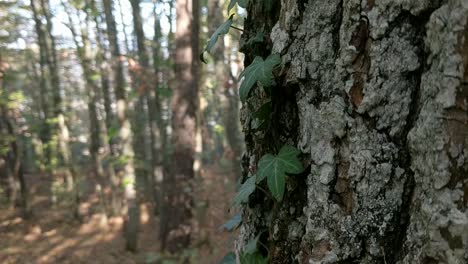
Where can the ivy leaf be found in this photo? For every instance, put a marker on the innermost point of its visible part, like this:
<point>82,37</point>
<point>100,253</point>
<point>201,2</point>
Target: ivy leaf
<point>230,258</point>
<point>232,223</point>
<point>246,189</point>
<point>231,4</point>
<point>276,167</point>
<point>251,246</point>
<point>253,258</point>
<point>260,70</point>
<point>261,116</point>
<point>257,39</point>
<point>263,113</point>
<point>220,31</point>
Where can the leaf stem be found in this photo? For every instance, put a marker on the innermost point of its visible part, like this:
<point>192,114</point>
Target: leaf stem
<point>264,246</point>
<point>264,191</point>
<point>240,29</point>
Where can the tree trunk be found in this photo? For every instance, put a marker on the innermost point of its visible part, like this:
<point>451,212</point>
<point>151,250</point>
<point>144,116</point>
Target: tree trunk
<point>125,132</point>
<point>141,81</point>
<point>45,131</point>
<point>155,113</point>
<point>176,216</point>
<point>11,165</point>
<point>108,124</point>
<point>374,94</point>
<point>83,52</point>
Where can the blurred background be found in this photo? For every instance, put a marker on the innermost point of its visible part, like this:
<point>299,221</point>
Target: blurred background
<point>117,145</point>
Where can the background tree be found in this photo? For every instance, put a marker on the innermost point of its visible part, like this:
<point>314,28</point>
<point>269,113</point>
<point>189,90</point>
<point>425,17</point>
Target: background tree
<point>125,138</point>
<point>177,203</point>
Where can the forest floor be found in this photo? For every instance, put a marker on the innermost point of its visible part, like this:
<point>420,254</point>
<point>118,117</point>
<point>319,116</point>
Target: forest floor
<point>53,236</point>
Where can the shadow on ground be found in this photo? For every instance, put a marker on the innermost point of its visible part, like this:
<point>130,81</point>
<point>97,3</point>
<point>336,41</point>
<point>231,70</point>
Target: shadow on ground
<point>53,236</point>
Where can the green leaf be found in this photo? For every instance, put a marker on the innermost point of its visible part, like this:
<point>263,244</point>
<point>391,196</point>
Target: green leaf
<point>257,39</point>
<point>112,133</point>
<point>260,70</point>
<point>253,258</point>
<point>220,31</point>
<point>263,113</point>
<point>232,223</point>
<point>274,168</point>
<point>246,189</point>
<point>230,258</point>
<point>251,246</point>
<point>231,4</point>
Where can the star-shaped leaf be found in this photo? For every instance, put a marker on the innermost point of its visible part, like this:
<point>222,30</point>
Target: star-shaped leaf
<point>260,70</point>
<point>274,168</point>
<point>246,189</point>
<point>220,31</point>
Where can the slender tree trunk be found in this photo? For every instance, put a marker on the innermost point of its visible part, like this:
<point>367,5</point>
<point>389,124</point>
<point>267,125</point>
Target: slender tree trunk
<point>374,94</point>
<point>92,88</point>
<point>11,160</point>
<point>177,209</point>
<point>45,132</point>
<point>61,128</point>
<point>108,124</point>
<point>155,111</point>
<point>16,166</point>
<point>125,130</point>
<point>142,82</point>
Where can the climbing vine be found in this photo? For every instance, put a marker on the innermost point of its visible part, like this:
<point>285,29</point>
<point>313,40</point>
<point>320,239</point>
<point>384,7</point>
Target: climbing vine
<point>272,168</point>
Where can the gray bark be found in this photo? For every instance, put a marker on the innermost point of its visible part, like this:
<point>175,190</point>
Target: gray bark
<point>374,93</point>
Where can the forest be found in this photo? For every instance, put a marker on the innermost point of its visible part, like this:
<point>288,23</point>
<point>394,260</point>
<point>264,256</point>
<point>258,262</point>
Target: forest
<point>234,131</point>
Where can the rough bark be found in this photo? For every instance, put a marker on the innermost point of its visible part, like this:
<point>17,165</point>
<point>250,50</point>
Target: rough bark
<point>374,93</point>
<point>176,215</point>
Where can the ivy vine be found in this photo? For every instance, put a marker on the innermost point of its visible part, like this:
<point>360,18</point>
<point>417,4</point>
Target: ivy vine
<point>273,167</point>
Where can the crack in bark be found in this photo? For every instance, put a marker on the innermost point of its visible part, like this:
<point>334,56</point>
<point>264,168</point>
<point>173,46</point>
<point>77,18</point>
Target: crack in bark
<point>403,219</point>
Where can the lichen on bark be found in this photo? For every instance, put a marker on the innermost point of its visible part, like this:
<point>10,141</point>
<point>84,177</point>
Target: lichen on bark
<point>374,93</point>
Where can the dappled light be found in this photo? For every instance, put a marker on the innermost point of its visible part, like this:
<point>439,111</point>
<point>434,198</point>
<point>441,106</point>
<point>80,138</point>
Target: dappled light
<point>116,144</point>
<point>233,131</point>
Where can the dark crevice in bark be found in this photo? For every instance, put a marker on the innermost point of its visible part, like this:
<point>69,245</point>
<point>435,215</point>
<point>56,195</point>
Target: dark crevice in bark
<point>258,21</point>
<point>416,21</point>
<point>337,21</point>
<point>396,246</point>
<point>341,191</point>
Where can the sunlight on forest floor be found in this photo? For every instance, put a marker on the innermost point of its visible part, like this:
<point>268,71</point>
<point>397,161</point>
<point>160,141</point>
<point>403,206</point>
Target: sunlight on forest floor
<point>52,236</point>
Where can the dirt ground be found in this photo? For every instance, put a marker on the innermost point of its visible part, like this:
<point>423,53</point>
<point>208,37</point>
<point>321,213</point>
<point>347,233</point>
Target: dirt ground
<point>53,236</point>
